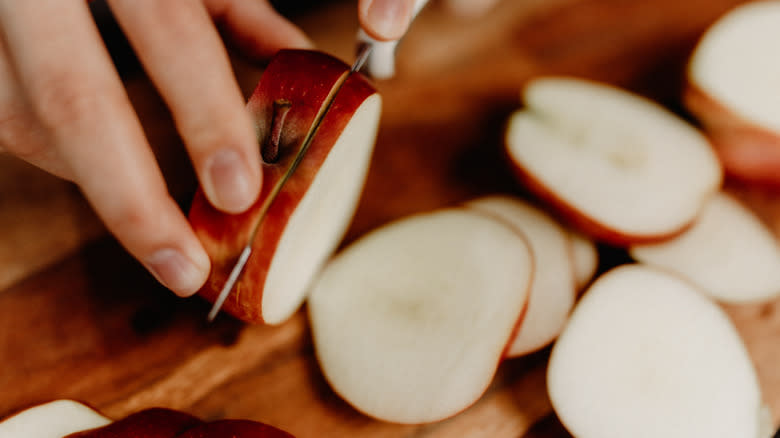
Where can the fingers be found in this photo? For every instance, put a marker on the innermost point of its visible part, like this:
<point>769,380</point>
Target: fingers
<point>469,8</point>
<point>256,28</point>
<point>78,100</point>
<point>183,54</point>
<point>385,20</point>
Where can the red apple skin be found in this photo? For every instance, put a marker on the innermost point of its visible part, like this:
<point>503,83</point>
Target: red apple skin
<point>304,78</point>
<point>149,423</point>
<point>579,220</point>
<point>235,429</point>
<point>748,152</point>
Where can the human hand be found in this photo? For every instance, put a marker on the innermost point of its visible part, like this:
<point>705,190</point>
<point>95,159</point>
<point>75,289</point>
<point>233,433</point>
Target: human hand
<point>64,109</point>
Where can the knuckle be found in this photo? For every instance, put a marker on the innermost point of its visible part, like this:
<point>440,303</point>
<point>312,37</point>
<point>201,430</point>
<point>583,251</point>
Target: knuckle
<point>137,219</point>
<point>63,99</point>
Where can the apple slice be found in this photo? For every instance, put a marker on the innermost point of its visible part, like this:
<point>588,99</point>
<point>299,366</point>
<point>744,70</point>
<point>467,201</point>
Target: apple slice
<point>234,429</point>
<point>552,287</point>
<point>620,167</point>
<point>584,258</point>
<point>644,354</point>
<point>304,221</point>
<point>148,423</point>
<point>728,253</point>
<point>732,84</point>
<point>410,321</point>
<point>54,419</point>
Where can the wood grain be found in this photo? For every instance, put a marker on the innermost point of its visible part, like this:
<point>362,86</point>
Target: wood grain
<point>95,327</point>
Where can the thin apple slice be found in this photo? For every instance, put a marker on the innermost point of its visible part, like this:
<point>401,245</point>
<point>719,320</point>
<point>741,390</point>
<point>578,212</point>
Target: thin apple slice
<point>54,419</point>
<point>728,253</point>
<point>584,258</point>
<point>304,221</point>
<point>620,167</point>
<point>732,83</point>
<point>234,429</point>
<point>644,354</point>
<point>148,423</point>
<point>410,321</point>
<point>552,287</point>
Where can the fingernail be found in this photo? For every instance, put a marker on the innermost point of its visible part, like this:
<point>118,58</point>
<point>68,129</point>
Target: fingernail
<point>388,18</point>
<point>177,272</point>
<point>228,183</point>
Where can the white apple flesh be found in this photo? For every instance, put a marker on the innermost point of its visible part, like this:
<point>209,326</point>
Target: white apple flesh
<point>728,253</point>
<point>646,355</point>
<point>54,419</point>
<point>552,287</point>
<point>618,166</point>
<point>411,321</point>
<point>733,79</point>
<point>584,258</point>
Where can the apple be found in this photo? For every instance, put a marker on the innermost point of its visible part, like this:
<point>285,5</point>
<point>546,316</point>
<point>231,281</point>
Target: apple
<point>728,253</point>
<point>410,321</point>
<point>617,166</point>
<point>304,221</point>
<point>731,89</point>
<point>53,419</point>
<point>584,258</point>
<point>234,429</point>
<point>645,354</point>
<point>148,423</point>
<point>552,286</point>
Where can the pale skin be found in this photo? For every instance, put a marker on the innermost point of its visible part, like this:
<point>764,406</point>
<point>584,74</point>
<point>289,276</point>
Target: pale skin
<point>64,108</point>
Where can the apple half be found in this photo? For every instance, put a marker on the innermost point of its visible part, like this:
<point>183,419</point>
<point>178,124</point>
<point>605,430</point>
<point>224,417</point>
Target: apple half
<point>304,219</point>
<point>728,253</point>
<point>732,83</point>
<point>411,320</point>
<point>552,286</point>
<point>619,167</point>
<point>148,423</point>
<point>644,355</point>
<point>53,419</point>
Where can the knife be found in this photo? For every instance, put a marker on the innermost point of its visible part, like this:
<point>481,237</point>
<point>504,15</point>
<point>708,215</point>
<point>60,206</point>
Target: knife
<point>366,46</point>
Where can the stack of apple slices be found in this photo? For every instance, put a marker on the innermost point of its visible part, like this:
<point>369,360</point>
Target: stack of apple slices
<point>71,419</point>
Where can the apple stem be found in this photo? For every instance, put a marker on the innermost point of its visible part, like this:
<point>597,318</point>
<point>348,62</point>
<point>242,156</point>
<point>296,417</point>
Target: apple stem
<point>270,150</point>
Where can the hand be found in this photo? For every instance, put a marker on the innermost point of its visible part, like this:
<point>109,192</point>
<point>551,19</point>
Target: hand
<point>387,20</point>
<point>64,109</point>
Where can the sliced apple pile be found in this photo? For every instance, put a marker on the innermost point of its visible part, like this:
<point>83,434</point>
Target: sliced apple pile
<point>411,321</point>
<point>304,219</point>
<point>584,258</point>
<point>728,253</point>
<point>54,419</point>
<point>71,419</point>
<point>552,287</point>
<point>733,78</point>
<point>620,167</point>
<point>644,354</point>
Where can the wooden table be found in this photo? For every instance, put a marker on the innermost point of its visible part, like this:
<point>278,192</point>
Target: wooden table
<point>80,319</point>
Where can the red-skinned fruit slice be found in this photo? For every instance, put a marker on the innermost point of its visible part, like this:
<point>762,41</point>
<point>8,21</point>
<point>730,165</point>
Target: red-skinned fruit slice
<point>307,219</point>
<point>620,167</point>
<point>411,321</point>
<point>54,419</point>
<point>728,253</point>
<point>148,423</point>
<point>552,287</point>
<point>732,84</point>
<point>235,429</point>
<point>644,355</point>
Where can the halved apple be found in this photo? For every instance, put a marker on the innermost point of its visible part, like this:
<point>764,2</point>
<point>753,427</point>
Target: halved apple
<point>54,419</point>
<point>552,287</point>
<point>234,429</point>
<point>733,80</point>
<point>645,354</point>
<point>618,166</point>
<point>728,253</point>
<point>411,321</point>
<point>148,423</point>
<point>304,220</point>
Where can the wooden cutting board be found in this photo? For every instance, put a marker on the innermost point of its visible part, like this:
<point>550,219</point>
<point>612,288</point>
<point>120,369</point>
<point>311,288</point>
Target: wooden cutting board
<point>80,319</point>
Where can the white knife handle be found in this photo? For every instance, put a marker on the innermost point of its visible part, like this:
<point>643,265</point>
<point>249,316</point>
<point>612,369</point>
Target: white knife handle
<point>381,61</point>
